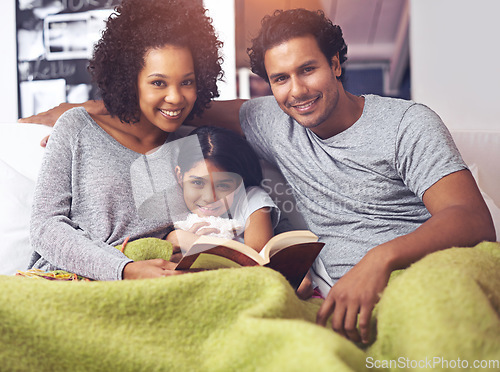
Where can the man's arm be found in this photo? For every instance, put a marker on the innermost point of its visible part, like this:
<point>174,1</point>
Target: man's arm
<point>50,117</point>
<point>460,218</point>
<point>223,114</point>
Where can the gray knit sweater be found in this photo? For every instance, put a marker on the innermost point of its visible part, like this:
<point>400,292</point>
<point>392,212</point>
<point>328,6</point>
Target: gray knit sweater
<point>92,193</point>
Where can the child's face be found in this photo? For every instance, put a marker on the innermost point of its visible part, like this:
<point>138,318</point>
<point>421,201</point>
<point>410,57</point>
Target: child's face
<point>167,87</point>
<point>208,190</point>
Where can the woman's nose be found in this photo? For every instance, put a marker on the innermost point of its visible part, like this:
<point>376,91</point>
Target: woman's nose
<point>173,96</point>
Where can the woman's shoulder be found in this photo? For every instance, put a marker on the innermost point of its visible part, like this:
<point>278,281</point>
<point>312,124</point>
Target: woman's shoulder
<point>72,125</point>
<point>73,119</point>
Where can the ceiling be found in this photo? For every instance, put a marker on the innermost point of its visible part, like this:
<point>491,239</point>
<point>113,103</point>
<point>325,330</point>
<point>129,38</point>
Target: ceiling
<point>374,30</point>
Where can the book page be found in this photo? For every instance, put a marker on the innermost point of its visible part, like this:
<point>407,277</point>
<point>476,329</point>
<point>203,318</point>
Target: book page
<point>205,243</point>
<point>286,239</point>
<point>211,261</point>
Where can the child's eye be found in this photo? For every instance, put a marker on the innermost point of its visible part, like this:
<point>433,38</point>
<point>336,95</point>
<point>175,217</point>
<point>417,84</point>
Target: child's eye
<point>223,186</point>
<point>198,183</point>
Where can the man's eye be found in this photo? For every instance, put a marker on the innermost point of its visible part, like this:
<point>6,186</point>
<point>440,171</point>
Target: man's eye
<point>308,69</point>
<point>279,79</point>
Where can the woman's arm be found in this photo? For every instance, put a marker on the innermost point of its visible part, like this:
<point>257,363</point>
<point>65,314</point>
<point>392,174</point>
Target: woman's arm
<point>54,234</point>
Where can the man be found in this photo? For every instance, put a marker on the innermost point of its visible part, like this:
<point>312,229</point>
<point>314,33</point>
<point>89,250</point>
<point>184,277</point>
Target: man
<point>378,179</point>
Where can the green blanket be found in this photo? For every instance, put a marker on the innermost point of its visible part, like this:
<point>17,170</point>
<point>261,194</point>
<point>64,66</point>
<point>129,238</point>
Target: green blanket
<point>447,305</point>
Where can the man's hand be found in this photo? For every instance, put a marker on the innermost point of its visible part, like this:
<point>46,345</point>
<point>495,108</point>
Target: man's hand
<point>355,294</point>
<point>156,268</point>
<point>49,117</point>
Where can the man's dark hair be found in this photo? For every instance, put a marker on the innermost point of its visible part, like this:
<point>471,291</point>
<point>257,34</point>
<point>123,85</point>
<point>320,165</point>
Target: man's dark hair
<point>137,26</point>
<point>285,25</point>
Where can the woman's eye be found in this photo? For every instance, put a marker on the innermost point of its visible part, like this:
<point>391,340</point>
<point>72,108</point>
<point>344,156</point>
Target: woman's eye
<point>158,83</point>
<point>188,82</point>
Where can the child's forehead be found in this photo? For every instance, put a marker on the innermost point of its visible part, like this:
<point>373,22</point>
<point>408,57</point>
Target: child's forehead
<point>206,168</point>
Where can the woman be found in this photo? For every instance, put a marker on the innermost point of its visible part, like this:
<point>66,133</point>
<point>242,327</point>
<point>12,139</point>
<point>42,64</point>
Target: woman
<point>156,64</point>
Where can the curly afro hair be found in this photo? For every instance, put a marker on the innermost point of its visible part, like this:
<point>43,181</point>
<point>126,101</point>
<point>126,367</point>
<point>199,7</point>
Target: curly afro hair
<point>135,27</point>
<point>289,24</point>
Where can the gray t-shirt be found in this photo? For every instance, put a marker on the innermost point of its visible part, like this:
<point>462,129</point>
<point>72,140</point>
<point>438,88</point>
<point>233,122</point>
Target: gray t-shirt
<point>364,186</point>
<point>92,192</point>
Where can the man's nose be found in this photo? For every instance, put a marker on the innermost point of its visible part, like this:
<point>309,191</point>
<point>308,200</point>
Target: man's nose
<point>298,88</point>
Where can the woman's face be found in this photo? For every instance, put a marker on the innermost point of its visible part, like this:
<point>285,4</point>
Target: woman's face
<point>167,87</point>
<point>208,190</point>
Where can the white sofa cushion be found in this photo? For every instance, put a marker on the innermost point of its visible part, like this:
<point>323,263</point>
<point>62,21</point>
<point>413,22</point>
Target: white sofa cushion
<point>20,160</point>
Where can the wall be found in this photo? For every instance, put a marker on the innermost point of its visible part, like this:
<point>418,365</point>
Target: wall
<point>222,14</point>
<point>8,69</point>
<point>455,61</point>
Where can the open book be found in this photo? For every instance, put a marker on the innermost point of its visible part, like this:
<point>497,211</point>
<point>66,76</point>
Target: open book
<point>291,253</point>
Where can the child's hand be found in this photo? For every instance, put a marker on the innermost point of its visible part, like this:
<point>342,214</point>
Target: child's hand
<point>305,290</point>
<point>150,269</point>
<point>199,228</point>
<point>185,239</point>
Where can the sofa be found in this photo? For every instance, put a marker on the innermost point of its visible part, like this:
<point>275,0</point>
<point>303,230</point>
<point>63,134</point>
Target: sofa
<point>440,313</point>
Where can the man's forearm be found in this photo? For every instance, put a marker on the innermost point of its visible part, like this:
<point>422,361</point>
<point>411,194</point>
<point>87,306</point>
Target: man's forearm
<point>453,227</point>
<point>50,117</point>
<point>223,114</point>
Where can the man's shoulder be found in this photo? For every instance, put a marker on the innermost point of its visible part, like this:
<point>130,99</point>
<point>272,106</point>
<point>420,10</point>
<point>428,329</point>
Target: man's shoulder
<point>381,103</point>
<point>265,105</point>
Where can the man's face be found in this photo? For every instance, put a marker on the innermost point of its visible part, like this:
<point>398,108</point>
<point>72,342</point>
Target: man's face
<point>303,82</point>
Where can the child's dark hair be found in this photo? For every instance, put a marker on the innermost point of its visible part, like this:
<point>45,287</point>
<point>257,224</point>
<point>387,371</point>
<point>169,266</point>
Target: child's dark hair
<point>227,150</point>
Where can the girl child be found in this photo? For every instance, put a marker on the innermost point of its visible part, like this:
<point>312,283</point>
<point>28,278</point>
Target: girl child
<point>220,174</point>
<point>156,64</point>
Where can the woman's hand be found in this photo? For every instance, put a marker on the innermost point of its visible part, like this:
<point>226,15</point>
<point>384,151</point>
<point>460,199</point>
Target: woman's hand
<point>150,269</point>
